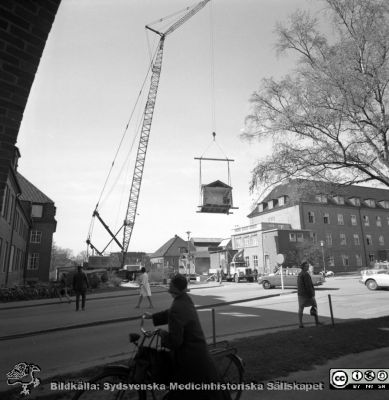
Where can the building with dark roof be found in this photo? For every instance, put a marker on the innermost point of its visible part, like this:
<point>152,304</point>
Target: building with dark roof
<point>348,226</point>
<point>43,225</point>
<point>27,225</point>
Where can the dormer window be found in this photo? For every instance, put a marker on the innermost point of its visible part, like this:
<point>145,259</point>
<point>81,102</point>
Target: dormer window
<point>271,204</point>
<point>260,207</point>
<point>321,198</point>
<point>370,202</point>
<point>339,199</point>
<point>355,201</point>
<point>384,203</point>
<point>281,201</point>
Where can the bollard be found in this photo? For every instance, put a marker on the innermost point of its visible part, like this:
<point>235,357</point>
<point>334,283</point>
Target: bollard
<point>213,327</point>
<point>332,314</point>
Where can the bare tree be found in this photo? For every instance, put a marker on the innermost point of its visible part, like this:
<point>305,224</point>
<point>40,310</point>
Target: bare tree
<point>328,119</point>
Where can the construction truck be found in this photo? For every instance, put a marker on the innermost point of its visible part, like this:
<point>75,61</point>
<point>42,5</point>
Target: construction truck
<point>237,269</point>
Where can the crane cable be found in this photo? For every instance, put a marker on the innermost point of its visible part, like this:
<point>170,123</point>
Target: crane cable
<point>91,226</point>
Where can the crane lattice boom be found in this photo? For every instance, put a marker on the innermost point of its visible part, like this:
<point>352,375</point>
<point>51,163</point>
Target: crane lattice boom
<point>146,127</point>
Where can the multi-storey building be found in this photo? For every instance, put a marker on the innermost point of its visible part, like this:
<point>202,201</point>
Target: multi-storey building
<point>348,226</point>
<point>41,211</point>
<point>14,230</point>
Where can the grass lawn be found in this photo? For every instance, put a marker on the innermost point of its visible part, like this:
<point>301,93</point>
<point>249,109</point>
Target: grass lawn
<point>278,354</point>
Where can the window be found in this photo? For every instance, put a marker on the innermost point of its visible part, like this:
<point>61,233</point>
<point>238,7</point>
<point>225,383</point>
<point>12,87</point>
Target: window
<point>33,261</point>
<point>371,257</point>
<point>11,207</point>
<point>331,261</point>
<point>311,217</point>
<point>281,201</point>
<point>246,241</point>
<point>321,198</point>
<point>36,211</point>
<point>326,218</point>
<point>381,240</point>
<point>270,204</point>
<point>340,219</point>
<point>345,260</point>
<point>369,239</point>
<point>254,240</point>
<point>353,220</point>
<point>343,239</point>
<point>356,239</point>
<point>378,221</point>
<point>300,237</point>
<point>17,260</point>
<point>247,261</point>
<point>11,258</point>
<point>35,237</point>
<point>255,261</point>
<point>355,201</point>
<point>384,203</point>
<point>358,260</point>
<point>328,239</point>
<point>238,242</point>
<point>339,199</point>
<point>1,249</point>
<point>370,202</point>
<point>366,220</point>
<point>313,237</point>
<point>292,237</point>
<point>4,260</point>
<point>5,205</point>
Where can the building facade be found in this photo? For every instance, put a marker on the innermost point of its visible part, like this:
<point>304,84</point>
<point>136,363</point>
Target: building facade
<point>41,210</point>
<point>348,227</point>
<point>14,232</point>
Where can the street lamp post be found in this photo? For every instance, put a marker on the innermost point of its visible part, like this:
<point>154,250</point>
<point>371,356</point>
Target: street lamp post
<point>322,252</point>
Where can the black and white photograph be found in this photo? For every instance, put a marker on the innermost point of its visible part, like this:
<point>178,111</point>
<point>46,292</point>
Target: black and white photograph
<point>194,199</point>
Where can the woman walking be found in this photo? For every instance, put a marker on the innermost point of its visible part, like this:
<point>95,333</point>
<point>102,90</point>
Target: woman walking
<point>144,288</point>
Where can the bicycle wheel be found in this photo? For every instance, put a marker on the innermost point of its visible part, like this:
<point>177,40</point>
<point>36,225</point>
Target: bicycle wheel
<point>112,383</point>
<point>231,371</point>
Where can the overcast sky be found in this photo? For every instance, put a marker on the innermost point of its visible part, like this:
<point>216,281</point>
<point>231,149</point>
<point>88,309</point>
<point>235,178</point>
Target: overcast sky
<point>88,80</point>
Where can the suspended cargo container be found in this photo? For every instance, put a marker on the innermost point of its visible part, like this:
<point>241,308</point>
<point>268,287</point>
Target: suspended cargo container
<point>216,198</point>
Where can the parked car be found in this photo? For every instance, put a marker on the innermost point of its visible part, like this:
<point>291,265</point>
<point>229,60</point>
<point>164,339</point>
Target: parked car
<point>375,278</point>
<point>289,277</point>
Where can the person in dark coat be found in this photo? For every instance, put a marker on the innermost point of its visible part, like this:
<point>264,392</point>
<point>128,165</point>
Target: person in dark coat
<point>185,337</point>
<point>306,294</point>
<point>80,286</point>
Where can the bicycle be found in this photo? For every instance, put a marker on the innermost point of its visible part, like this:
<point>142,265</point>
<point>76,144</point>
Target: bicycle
<point>118,381</point>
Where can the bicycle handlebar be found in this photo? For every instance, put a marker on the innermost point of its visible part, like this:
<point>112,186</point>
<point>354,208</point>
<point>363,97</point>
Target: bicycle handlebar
<point>148,333</point>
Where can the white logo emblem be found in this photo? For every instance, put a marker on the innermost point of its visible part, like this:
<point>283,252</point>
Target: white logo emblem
<point>24,374</point>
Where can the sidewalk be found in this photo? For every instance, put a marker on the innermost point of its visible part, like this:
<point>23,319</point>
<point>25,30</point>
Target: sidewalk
<point>125,291</point>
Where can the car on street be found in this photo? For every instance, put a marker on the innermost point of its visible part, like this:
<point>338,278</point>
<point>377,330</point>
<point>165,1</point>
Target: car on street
<point>375,278</point>
<point>289,278</point>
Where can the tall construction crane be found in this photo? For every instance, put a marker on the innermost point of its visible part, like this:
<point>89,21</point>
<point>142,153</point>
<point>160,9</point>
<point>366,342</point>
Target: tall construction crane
<point>131,213</point>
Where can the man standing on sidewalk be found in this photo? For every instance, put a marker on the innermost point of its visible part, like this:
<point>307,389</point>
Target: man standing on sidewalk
<point>306,294</point>
<point>80,285</point>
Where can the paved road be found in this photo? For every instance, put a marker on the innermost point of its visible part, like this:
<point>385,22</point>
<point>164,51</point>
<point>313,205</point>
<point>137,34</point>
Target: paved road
<point>60,351</point>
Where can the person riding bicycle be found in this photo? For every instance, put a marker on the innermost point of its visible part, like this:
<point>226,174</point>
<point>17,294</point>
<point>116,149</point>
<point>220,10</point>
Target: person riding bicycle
<point>185,338</point>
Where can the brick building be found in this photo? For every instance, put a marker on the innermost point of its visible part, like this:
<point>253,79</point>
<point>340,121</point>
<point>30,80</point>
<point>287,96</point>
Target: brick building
<point>41,210</point>
<point>24,28</point>
<point>347,226</point>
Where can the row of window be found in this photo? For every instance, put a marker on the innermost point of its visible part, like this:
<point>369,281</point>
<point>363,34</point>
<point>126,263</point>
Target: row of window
<point>330,260</point>
<point>298,237</point>
<point>340,219</point>
<point>7,204</point>
<point>16,258</point>
<point>355,201</point>
<point>246,241</point>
